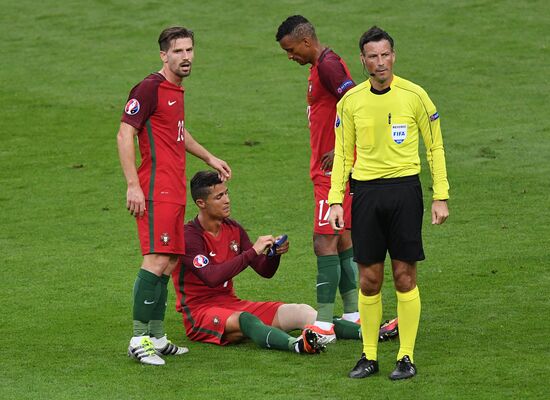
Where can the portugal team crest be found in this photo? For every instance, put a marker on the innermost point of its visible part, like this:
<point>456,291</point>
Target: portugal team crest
<point>234,246</point>
<point>132,107</point>
<point>200,261</point>
<point>165,239</point>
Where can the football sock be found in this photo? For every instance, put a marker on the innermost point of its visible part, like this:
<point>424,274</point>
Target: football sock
<point>346,329</point>
<point>370,311</point>
<point>156,324</point>
<point>146,295</point>
<point>328,276</point>
<point>348,280</point>
<point>408,312</point>
<point>265,336</point>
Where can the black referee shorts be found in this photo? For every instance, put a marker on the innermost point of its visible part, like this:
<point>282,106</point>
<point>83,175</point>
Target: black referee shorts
<point>387,216</point>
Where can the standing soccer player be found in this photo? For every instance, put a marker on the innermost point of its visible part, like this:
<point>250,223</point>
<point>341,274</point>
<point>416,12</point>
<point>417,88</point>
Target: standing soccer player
<point>328,81</point>
<point>381,119</point>
<point>156,192</point>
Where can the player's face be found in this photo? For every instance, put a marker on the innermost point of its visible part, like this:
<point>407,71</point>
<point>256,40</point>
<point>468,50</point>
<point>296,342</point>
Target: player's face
<point>296,50</point>
<point>217,204</point>
<point>378,59</point>
<point>179,57</point>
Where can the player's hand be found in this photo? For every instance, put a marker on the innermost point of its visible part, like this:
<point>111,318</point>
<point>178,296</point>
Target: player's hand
<point>283,248</point>
<point>440,212</point>
<point>224,172</point>
<point>135,201</point>
<point>336,217</point>
<point>263,243</point>
<point>326,161</point>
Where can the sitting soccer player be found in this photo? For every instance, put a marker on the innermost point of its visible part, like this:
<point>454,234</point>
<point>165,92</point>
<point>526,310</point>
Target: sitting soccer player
<point>216,250</point>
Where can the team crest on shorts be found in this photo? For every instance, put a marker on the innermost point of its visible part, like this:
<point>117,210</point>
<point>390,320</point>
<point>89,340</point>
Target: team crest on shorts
<point>165,239</point>
<point>132,107</point>
<point>200,261</point>
<point>234,246</point>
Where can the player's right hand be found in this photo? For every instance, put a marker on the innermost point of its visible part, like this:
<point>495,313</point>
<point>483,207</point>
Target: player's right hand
<point>263,243</point>
<point>336,217</point>
<point>135,201</point>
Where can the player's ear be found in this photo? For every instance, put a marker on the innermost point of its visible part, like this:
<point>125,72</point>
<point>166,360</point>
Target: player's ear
<point>200,203</point>
<point>163,57</point>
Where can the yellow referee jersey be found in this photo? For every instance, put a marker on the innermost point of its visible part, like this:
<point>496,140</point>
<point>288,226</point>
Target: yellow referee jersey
<point>384,129</point>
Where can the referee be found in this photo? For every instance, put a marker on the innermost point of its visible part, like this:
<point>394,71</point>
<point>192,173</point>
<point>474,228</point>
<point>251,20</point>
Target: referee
<point>382,119</point>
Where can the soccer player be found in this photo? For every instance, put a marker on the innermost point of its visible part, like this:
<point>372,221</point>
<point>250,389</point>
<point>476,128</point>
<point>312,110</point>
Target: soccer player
<point>329,79</point>
<point>156,190</point>
<point>382,119</point>
<point>218,249</point>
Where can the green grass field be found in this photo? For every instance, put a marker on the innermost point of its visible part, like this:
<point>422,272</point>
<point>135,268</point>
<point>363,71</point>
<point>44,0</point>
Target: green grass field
<point>70,253</point>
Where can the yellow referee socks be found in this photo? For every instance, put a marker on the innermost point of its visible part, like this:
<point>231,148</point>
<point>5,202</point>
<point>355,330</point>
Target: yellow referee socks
<point>408,312</point>
<point>370,312</point>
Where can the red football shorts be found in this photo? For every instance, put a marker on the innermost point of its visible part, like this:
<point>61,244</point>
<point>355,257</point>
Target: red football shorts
<point>320,219</point>
<point>207,322</point>
<point>160,229</point>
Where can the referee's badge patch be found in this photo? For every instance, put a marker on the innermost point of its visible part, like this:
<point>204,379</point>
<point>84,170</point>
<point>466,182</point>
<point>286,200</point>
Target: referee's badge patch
<point>337,122</point>
<point>399,133</point>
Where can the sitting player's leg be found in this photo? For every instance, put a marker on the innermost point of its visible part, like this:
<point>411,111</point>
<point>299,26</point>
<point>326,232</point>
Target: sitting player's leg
<point>268,337</point>
<point>162,344</point>
<point>294,316</point>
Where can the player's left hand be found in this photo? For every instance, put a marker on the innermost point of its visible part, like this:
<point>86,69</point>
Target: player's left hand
<point>326,161</point>
<point>283,248</point>
<point>224,172</point>
<point>440,212</point>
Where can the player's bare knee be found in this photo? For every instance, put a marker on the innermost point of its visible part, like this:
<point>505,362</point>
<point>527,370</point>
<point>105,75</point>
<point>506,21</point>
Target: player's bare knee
<point>308,313</point>
<point>325,245</point>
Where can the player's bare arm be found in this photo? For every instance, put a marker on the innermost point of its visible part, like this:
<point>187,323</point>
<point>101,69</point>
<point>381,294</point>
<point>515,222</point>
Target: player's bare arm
<point>326,160</point>
<point>440,212</point>
<point>336,217</point>
<point>195,148</point>
<point>135,200</point>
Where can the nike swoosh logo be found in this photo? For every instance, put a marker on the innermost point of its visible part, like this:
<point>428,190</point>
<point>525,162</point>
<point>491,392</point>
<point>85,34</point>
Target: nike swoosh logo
<point>323,223</point>
<point>322,283</point>
<point>149,302</point>
<point>171,103</point>
<point>212,254</point>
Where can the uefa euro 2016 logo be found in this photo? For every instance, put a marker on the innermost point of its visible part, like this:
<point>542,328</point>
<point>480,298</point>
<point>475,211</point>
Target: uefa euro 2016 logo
<point>132,107</point>
<point>200,261</point>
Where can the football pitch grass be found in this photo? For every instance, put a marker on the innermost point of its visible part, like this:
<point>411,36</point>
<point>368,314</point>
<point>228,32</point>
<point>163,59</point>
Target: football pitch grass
<point>70,250</point>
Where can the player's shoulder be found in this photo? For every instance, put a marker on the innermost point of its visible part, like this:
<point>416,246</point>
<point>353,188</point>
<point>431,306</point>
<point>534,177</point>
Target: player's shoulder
<point>150,82</point>
<point>193,226</point>
<point>232,223</point>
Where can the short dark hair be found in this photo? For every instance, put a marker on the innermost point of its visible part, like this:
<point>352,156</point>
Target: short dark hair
<point>174,32</point>
<point>374,34</point>
<point>202,182</point>
<point>297,26</point>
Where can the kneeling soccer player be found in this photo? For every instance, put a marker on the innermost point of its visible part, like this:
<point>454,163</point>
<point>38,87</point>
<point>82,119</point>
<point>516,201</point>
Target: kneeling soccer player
<point>218,249</point>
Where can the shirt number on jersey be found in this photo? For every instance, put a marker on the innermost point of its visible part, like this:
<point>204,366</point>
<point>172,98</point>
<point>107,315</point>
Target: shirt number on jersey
<point>181,131</point>
<point>324,212</point>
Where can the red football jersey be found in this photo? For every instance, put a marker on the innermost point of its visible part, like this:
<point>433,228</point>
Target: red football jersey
<point>329,79</point>
<point>155,108</point>
<point>210,262</point>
